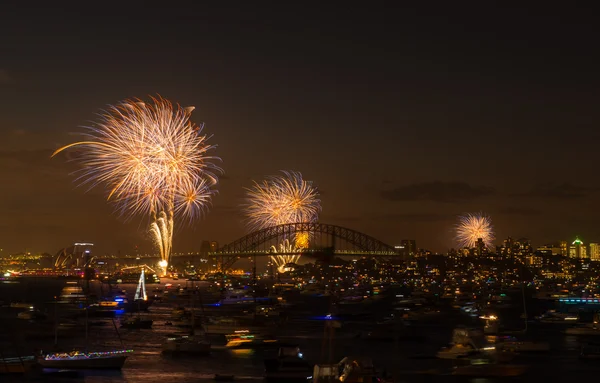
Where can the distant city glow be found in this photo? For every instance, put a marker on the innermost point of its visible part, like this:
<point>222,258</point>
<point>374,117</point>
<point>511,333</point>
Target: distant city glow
<point>153,161</point>
<point>471,227</point>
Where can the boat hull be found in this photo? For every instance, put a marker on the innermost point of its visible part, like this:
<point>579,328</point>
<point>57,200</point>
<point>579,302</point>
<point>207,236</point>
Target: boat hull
<point>108,363</point>
<point>141,324</point>
<point>452,355</point>
<point>526,346</point>
<point>15,368</point>
<point>499,370</point>
<point>582,331</point>
<point>187,348</point>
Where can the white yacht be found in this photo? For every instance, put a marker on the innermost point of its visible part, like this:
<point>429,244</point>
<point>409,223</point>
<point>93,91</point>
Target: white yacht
<point>463,344</point>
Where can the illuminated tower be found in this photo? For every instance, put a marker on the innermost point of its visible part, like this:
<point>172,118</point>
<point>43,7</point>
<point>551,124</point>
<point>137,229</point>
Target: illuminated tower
<point>577,249</point>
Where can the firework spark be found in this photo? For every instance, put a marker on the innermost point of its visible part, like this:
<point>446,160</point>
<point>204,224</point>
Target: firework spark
<point>282,199</point>
<point>153,161</point>
<point>471,227</point>
<point>284,255</point>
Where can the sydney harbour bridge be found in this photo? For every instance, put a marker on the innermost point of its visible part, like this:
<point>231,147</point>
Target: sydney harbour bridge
<point>325,240</point>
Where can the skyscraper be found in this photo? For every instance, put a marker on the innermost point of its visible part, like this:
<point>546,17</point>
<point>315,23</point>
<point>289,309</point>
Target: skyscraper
<point>479,247</point>
<point>595,252</point>
<point>578,249</point>
<point>407,248</point>
<point>564,248</point>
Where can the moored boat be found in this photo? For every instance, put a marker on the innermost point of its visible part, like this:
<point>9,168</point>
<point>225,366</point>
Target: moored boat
<point>455,351</point>
<point>16,365</point>
<point>136,323</point>
<point>111,360</point>
<point>244,339</point>
<point>187,344</point>
<point>512,344</point>
<point>590,351</point>
<point>486,365</point>
<point>289,366</point>
<point>490,370</point>
<point>586,329</point>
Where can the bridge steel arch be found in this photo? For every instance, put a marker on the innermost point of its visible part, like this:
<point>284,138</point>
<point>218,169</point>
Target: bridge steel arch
<point>248,244</point>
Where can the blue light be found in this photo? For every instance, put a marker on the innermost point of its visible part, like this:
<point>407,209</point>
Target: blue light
<point>119,312</point>
<point>118,299</point>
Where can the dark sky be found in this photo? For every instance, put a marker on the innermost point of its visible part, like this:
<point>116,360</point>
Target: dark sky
<point>404,117</point>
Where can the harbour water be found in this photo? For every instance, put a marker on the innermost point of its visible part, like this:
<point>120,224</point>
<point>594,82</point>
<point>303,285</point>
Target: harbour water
<point>405,360</point>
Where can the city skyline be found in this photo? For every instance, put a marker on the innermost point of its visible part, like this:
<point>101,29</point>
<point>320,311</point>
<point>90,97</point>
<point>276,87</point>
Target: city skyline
<point>444,122</point>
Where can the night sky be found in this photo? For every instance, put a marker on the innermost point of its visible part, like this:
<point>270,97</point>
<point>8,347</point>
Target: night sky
<point>403,117</point>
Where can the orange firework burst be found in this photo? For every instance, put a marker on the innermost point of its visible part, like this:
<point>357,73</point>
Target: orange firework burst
<point>152,160</point>
<point>472,227</point>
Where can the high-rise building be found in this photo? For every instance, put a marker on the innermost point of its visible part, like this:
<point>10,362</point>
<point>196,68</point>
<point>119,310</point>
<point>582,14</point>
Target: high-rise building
<point>479,246</point>
<point>408,248</point>
<point>205,247</point>
<point>209,247</point>
<point>533,260</point>
<point>506,250</point>
<point>595,252</point>
<point>550,249</point>
<point>523,247</point>
<point>578,249</point>
<point>564,248</point>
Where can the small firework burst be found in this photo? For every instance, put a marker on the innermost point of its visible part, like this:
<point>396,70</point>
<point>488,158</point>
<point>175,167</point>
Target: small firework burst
<point>472,227</point>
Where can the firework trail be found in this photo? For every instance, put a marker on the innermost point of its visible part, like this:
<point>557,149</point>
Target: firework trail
<point>471,227</point>
<point>153,161</point>
<point>285,255</point>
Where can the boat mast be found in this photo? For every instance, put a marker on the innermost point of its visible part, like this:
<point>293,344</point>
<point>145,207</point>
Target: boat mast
<point>193,314</point>
<point>523,293</point>
<point>55,323</point>
<point>86,329</point>
<point>140,292</point>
